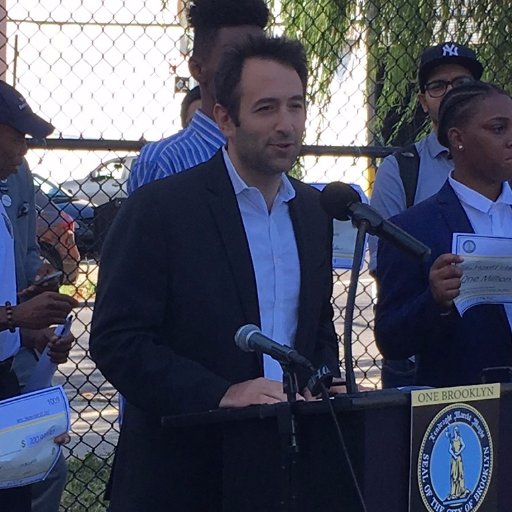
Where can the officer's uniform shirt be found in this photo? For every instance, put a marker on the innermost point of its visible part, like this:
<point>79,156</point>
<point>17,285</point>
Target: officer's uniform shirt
<point>9,341</point>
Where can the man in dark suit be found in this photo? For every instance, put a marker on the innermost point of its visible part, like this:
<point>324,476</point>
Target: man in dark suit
<point>195,256</point>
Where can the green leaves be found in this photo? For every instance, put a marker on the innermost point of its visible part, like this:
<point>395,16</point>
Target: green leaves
<point>395,33</point>
<point>391,35</point>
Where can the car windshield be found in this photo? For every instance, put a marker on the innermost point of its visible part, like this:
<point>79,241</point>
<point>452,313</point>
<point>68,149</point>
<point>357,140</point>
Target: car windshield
<point>49,188</point>
<point>117,169</point>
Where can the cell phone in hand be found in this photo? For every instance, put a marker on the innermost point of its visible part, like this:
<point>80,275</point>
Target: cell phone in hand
<point>52,277</point>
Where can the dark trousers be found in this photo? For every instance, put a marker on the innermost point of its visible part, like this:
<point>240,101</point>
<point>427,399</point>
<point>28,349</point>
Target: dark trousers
<point>17,499</point>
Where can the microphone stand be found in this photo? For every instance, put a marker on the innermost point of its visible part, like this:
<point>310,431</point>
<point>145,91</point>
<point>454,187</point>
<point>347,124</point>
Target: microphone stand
<point>362,228</point>
<point>288,432</point>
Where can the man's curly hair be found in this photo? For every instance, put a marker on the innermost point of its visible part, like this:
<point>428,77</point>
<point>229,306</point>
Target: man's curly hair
<point>207,17</point>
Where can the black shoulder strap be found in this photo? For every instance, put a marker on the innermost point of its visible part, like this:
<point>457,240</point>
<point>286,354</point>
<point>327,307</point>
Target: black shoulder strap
<point>409,165</point>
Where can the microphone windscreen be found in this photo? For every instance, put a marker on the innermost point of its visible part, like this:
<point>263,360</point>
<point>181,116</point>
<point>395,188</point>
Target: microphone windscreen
<point>336,198</point>
<point>243,334</point>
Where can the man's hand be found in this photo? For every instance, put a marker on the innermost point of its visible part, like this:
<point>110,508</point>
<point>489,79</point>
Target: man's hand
<point>444,280</point>
<point>59,348</point>
<point>339,387</point>
<point>306,394</point>
<point>36,288</point>
<point>46,309</point>
<point>61,439</point>
<point>45,269</point>
<point>252,392</point>
<point>36,339</point>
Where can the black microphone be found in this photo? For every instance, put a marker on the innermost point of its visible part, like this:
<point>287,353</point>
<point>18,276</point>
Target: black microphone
<point>249,338</point>
<point>342,202</point>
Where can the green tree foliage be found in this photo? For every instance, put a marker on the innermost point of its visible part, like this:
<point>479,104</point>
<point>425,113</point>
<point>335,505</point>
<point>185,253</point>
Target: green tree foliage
<point>395,33</point>
<point>86,483</point>
<point>322,26</point>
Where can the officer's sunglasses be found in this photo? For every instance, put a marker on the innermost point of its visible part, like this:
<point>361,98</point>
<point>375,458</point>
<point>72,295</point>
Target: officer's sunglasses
<point>438,88</point>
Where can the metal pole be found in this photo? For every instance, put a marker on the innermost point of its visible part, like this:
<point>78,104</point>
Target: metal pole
<point>3,39</point>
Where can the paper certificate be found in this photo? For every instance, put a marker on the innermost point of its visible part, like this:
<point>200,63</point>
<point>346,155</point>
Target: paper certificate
<point>28,424</point>
<point>344,235</point>
<point>487,270</point>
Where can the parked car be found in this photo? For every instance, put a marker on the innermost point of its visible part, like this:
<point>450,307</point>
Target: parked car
<point>108,181</point>
<point>56,236</point>
<point>80,210</point>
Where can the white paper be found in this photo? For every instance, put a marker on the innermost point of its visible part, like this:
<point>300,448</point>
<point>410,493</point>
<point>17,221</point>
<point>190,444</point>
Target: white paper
<point>344,235</point>
<point>487,270</point>
<point>44,370</point>
<point>42,375</point>
<point>28,425</point>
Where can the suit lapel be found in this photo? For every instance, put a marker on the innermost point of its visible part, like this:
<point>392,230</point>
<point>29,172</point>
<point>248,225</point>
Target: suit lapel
<point>224,208</point>
<point>299,219</point>
<point>452,211</point>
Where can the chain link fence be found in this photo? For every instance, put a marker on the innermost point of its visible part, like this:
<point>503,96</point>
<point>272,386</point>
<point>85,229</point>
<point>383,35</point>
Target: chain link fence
<point>111,75</point>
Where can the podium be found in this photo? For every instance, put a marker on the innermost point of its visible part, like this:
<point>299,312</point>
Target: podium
<point>376,427</point>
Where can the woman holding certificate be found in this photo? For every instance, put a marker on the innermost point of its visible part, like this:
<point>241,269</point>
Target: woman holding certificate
<point>415,312</point>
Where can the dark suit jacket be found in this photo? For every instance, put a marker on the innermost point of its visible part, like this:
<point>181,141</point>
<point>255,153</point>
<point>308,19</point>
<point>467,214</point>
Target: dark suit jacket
<point>451,350</point>
<point>176,282</point>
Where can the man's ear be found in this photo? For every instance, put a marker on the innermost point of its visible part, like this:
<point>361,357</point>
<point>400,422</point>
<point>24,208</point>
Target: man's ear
<point>196,68</point>
<point>223,120</point>
<point>423,103</point>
